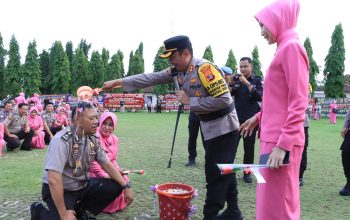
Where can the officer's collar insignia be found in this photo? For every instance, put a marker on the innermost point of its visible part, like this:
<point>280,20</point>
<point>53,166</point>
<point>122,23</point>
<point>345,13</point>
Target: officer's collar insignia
<point>191,68</point>
<point>180,79</point>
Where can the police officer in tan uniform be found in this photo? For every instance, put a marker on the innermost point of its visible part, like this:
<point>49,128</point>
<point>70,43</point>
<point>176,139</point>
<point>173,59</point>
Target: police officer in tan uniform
<point>49,120</point>
<point>66,188</point>
<point>204,89</point>
<point>16,128</point>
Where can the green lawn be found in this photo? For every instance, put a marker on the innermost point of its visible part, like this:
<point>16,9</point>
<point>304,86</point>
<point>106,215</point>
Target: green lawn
<point>145,143</point>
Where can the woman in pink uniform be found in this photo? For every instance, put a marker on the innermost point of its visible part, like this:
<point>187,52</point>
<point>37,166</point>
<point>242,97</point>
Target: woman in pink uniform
<point>332,112</point>
<point>36,123</point>
<point>2,141</point>
<point>110,143</point>
<point>282,115</point>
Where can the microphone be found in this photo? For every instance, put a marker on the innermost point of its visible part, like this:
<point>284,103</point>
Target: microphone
<point>174,73</point>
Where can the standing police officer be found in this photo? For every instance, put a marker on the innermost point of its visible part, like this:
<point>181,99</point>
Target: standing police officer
<point>66,188</point>
<point>247,91</point>
<point>345,154</point>
<point>207,94</point>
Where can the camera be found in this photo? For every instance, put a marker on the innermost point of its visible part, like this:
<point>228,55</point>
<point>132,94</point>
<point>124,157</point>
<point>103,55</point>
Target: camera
<point>235,77</point>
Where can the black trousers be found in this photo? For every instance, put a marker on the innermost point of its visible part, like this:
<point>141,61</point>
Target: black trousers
<point>13,143</point>
<point>193,128</point>
<point>303,163</point>
<point>346,164</point>
<point>220,188</point>
<point>98,193</point>
<point>248,146</point>
<point>53,130</point>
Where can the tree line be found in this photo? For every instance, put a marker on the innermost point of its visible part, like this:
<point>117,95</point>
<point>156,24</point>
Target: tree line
<point>60,70</point>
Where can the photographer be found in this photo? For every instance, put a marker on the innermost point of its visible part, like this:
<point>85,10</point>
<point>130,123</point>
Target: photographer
<point>247,91</point>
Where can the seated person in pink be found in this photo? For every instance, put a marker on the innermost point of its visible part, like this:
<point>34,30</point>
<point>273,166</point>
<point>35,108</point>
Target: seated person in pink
<point>109,142</point>
<point>36,123</point>
<point>61,117</point>
<point>2,141</point>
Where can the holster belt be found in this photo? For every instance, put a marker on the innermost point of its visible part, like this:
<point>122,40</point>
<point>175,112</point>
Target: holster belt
<point>217,114</point>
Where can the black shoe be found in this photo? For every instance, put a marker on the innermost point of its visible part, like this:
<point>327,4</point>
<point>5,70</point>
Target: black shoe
<point>82,215</point>
<point>345,191</point>
<point>190,163</point>
<point>230,215</point>
<point>34,213</point>
<point>247,178</point>
<point>301,182</point>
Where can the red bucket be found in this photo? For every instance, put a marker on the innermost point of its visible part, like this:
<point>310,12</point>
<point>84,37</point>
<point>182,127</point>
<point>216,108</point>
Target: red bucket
<point>174,205</point>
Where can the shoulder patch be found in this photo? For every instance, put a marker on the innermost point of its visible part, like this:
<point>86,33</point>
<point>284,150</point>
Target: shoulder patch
<point>67,136</point>
<point>212,79</point>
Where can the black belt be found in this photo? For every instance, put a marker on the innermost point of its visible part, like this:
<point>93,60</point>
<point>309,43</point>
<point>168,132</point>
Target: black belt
<point>217,114</point>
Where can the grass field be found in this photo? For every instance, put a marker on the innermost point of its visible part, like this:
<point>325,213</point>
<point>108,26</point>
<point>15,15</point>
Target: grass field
<point>145,143</point>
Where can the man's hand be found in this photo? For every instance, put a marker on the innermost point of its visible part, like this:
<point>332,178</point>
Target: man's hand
<point>344,131</point>
<point>129,197</point>
<point>243,80</point>
<point>182,97</point>
<point>276,157</point>
<point>13,136</point>
<point>109,85</point>
<point>37,132</point>
<point>68,215</point>
<point>248,126</point>
<point>27,129</point>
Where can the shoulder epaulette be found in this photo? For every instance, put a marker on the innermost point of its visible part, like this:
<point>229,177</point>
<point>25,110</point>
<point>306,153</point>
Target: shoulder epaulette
<point>67,136</point>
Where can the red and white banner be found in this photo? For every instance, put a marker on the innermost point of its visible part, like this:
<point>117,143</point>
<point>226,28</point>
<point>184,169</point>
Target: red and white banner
<point>131,101</point>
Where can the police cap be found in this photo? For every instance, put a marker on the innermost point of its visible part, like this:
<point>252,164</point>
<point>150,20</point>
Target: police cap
<point>174,44</point>
<point>227,70</point>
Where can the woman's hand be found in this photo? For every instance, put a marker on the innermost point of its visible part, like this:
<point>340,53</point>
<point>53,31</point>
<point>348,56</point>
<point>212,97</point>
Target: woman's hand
<point>276,157</point>
<point>248,126</point>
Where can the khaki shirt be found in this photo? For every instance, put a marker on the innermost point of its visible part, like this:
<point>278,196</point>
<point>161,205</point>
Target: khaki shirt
<point>60,158</point>
<point>48,118</point>
<point>16,123</point>
<point>204,97</point>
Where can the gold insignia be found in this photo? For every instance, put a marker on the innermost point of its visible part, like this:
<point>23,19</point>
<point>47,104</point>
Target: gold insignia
<point>193,80</point>
<point>191,68</point>
<point>198,93</point>
<point>180,79</point>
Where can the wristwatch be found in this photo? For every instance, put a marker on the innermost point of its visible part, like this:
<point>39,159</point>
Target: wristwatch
<point>127,185</point>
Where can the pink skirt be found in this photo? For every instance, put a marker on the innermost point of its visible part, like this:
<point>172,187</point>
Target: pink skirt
<point>279,197</point>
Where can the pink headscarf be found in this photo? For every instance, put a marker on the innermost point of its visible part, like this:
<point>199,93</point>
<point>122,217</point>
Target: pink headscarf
<point>20,99</point>
<point>34,121</point>
<point>62,119</point>
<point>106,141</point>
<point>280,17</point>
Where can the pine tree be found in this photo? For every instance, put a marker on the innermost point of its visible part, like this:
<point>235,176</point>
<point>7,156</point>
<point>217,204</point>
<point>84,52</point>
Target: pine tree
<point>256,63</point>
<point>2,68</point>
<point>231,61</point>
<point>85,46</point>
<point>81,75</point>
<point>160,64</point>
<point>70,55</point>
<point>59,69</point>
<point>105,60</point>
<point>44,60</point>
<point>334,67</point>
<point>31,71</point>
<point>314,70</point>
<point>131,63</point>
<point>121,58</point>
<point>13,75</point>
<point>97,70</point>
<point>115,68</point>
<point>208,54</point>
